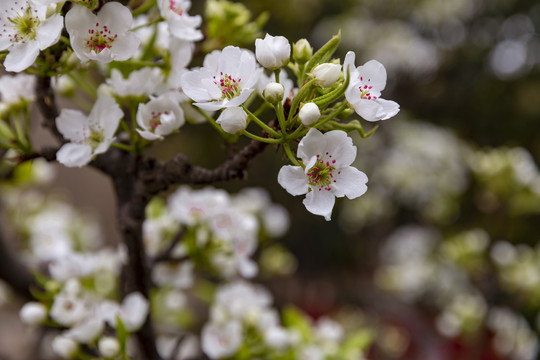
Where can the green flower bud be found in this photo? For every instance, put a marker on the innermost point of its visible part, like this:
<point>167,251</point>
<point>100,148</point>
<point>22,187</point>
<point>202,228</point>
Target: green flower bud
<point>273,92</point>
<point>302,51</point>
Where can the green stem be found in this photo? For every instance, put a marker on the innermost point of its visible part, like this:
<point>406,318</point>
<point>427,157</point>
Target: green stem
<point>300,131</point>
<point>276,74</point>
<point>150,23</point>
<point>281,118</point>
<point>144,8</point>
<point>261,139</point>
<point>302,93</point>
<point>332,115</point>
<point>259,122</point>
<point>290,155</point>
<point>123,147</point>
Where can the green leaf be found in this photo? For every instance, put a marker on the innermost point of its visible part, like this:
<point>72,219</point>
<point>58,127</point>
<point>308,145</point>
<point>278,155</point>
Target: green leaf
<point>323,54</point>
<point>122,334</point>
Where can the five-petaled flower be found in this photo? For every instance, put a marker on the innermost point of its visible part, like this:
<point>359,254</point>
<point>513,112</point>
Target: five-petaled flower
<point>88,136</point>
<point>181,25</point>
<point>103,37</point>
<point>364,90</point>
<point>226,79</point>
<point>327,173</point>
<point>25,30</point>
<point>160,116</point>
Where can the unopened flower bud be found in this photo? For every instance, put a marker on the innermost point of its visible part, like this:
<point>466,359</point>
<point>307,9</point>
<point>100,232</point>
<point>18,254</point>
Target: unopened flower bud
<point>302,51</point>
<point>64,347</point>
<point>327,73</point>
<point>232,120</point>
<point>272,52</point>
<point>273,92</point>
<point>33,313</point>
<point>108,346</point>
<point>309,113</point>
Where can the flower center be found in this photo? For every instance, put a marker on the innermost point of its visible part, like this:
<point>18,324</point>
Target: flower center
<point>100,39</point>
<point>321,174</point>
<point>365,90</point>
<point>155,121</point>
<point>95,139</point>
<point>24,24</point>
<point>173,6</point>
<point>230,87</point>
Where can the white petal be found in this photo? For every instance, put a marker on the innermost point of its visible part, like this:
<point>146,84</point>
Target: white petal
<point>350,182</point>
<point>311,145</point>
<point>340,147</point>
<point>49,31</point>
<point>74,155</point>
<point>116,16</point>
<point>375,110</point>
<point>293,179</point>
<point>73,125</point>
<point>373,73</point>
<point>21,56</point>
<point>320,202</point>
<point>145,134</point>
<point>348,63</point>
<point>134,310</point>
<point>106,114</point>
<point>124,47</point>
<point>79,19</point>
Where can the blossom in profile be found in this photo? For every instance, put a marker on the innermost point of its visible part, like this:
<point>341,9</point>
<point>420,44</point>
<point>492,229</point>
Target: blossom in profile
<point>104,36</point>
<point>272,52</point>
<point>327,173</point>
<point>159,117</point>
<point>181,25</point>
<point>364,90</point>
<point>226,79</point>
<point>25,31</point>
<point>88,135</point>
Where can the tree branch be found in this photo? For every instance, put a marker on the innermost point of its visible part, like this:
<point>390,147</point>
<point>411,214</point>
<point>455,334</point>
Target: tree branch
<point>13,271</point>
<point>45,99</point>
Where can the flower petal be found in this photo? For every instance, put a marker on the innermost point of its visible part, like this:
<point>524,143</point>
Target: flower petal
<point>373,73</point>
<point>340,147</point>
<point>49,31</point>
<point>74,155</point>
<point>21,56</point>
<point>106,115</point>
<point>350,182</point>
<point>293,179</point>
<point>320,202</point>
<point>73,125</point>
<point>375,110</point>
<point>311,144</point>
<point>116,16</point>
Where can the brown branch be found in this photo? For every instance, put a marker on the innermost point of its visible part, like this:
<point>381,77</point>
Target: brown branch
<point>45,99</point>
<point>13,271</point>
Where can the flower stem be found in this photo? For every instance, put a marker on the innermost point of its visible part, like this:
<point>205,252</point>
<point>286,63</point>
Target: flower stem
<point>144,8</point>
<point>123,147</point>
<point>290,155</point>
<point>259,122</point>
<point>281,118</point>
<point>261,139</point>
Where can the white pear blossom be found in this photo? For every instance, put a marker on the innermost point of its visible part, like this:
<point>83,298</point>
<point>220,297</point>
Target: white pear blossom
<point>88,136</point>
<point>288,85</point>
<point>133,311</point>
<point>327,174</point>
<point>226,79</point>
<point>25,30</point>
<point>103,37</point>
<point>327,73</point>
<point>232,119</point>
<point>182,25</point>
<point>160,116</point>
<point>17,88</point>
<point>364,90</point>
<point>272,52</point>
<point>219,341</point>
<point>142,82</point>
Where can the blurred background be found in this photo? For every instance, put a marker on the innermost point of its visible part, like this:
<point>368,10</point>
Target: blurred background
<point>440,257</point>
